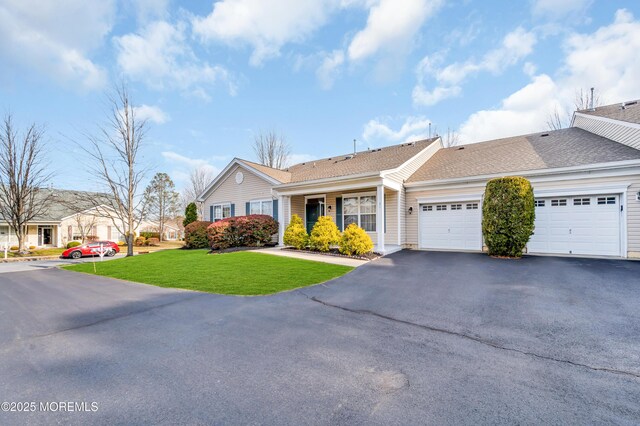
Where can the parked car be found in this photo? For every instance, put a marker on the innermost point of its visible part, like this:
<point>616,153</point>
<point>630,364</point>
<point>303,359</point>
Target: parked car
<point>92,249</point>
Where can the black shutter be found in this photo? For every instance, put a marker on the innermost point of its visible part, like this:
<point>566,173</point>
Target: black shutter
<point>339,213</point>
<point>233,210</point>
<point>247,208</point>
<point>275,209</point>
<point>211,213</point>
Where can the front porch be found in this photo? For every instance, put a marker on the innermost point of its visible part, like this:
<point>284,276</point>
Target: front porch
<point>377,209</point>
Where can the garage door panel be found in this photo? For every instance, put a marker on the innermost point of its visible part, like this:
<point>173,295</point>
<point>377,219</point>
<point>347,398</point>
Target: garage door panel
<point>450,226</point>
<point>578,226</point>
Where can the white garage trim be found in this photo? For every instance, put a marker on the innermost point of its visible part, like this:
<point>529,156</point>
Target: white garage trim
<point>450,198</point>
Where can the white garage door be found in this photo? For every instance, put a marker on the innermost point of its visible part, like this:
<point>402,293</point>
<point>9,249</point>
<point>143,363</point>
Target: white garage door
<point>577,225</point>
<point>451,226</point>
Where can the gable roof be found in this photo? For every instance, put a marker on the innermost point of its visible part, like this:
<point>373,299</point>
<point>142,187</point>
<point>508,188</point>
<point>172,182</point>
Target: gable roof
<point>626,111</point>
<point>277,174</point>
<point>370,161</point>
<point>65,203</point>
<point>559,148</point>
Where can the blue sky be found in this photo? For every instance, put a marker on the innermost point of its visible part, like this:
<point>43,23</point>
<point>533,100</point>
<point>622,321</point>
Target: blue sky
<point>210,75</point>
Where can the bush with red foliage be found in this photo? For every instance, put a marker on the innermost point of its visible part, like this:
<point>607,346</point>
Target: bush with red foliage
<point>243,231</point>
<point>195,235</point>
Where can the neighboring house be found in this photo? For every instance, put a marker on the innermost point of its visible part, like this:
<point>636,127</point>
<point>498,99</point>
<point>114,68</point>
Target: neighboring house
<point>173,229</point>
<point>420,195</point>
<point>70,215</point>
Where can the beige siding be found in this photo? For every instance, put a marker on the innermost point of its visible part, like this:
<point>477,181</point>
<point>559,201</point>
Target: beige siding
<point>615,131</point>
<point>228,191</point>
<point>632,205</point>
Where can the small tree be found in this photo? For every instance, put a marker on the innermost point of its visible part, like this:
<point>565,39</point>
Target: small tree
<point>190,214</point>
<point>508,215</point>
<point>296,235</point>
<point>161,200</point>
<point>324,234</point>
<point>23,177</point>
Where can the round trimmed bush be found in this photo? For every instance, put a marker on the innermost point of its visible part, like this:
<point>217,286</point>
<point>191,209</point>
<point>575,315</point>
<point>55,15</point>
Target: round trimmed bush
<point>355,240</point>
<point>195,235</point>
<point>508,215</point>
<point>296,234</point>
<point>72,244</point>
<point>324,234</point>
<point>140,241</point>
<point>32,247</point>
<point>14,248</point>
<point>254,230</point>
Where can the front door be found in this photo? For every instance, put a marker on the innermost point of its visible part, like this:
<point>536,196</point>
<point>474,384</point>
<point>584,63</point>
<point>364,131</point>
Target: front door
<point>314,209</point>
<point>44,236</point>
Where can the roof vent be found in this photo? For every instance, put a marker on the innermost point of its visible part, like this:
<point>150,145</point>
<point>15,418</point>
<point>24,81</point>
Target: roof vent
<point>460,147</point>
<point>348,157</point>
<point>544,135</point>
<point>626,104</point>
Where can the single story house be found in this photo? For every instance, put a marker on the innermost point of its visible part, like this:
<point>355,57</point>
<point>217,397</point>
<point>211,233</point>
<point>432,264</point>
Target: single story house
<point>421,195</point>
<point>69,216</point>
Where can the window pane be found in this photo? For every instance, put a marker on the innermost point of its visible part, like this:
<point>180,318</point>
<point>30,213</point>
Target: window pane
<point>267,206</point>
<point>350,206</point>
<point>255,207</point>
<point>368,222</point>
<point>217,212</point>
<point>349,219</point>
<point>367,205</point>
<point>226,211</point>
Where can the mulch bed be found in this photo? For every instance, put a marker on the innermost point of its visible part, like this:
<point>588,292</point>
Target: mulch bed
<point>335,252</point>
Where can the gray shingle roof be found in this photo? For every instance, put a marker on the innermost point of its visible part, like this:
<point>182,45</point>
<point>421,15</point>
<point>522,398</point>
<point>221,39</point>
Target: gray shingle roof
<point>65,203</point>
<point>561,148</point>
<point>277,174</point>
<point>371,161</point>
<point>629,113</point>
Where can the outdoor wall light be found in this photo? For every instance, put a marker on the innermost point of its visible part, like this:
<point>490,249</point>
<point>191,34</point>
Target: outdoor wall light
<point>410,210</point>
<point>329,209</point>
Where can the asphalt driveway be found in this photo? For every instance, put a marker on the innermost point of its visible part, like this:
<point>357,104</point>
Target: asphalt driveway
<point>415,337</point>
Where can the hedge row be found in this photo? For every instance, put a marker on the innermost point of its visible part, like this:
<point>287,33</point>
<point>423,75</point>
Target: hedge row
<point>243,231</point>
<point>325,234</point>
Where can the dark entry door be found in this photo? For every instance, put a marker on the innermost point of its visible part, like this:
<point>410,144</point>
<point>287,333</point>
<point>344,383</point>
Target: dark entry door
<point>314,209</point>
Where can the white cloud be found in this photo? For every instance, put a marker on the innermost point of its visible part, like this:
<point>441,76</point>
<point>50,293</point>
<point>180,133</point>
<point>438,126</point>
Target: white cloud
<point>184,165</point>
<point>379,131</point>
<point>149,10</point>
<point>555,9</point>
<point>160,56</point>
<point>329,69</point>
<point>151,113</point>
<point>266,26</point>
<point>391,27</point>
<point>55,38</point>
<point>515,45</point>
<point>606,59</point>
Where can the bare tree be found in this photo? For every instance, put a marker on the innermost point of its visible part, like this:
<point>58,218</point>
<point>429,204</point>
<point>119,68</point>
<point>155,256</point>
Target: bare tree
<point>161,200</point>
<point>452,138</point>
<point>271,149</point>
<point>23,177</point>
<point>583,99</point>
<point>85,223</point>
<point>199,179</point>
<point>114,150</point>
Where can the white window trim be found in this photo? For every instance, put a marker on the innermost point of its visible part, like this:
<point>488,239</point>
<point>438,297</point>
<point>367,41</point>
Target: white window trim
<point>358,195</point>
<point>261,200</point>
<point>222,206</point>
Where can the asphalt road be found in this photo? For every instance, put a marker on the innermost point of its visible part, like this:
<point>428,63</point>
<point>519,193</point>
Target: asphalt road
<point>34,265</point>
<point>412,338</point>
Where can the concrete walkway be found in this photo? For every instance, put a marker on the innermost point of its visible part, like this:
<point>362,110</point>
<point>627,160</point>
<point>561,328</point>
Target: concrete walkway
<point>337,260</point>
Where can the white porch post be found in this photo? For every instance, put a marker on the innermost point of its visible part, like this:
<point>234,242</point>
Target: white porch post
<point>400,215</point>
<point>59,236</point>
<point>380,217</point>
<point>281,221</point>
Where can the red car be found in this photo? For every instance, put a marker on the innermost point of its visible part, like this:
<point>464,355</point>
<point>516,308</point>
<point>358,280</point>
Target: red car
<point>92,249</point>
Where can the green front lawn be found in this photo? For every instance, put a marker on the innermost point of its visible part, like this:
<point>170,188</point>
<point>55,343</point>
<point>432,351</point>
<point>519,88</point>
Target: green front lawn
<point>240,273</point>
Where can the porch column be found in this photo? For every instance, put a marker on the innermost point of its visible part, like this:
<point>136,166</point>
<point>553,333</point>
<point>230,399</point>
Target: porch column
<point>400,215</point>
<point>281,221</point>
<point>380,217</point>
<point>59,236</point>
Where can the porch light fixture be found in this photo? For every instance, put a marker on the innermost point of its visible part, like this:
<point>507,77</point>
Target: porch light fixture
<point>329,209</point>
<point>410,210</point>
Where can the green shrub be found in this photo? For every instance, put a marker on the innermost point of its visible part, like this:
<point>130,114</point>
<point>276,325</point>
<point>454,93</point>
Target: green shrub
<point>195,235</point>
<point>190,214</point>
<point>296,234</point>
<point>122,243</point>
<point>148,235</point>
<point>32,247</point>
<point>72,244</point>
<point>14,248</point>
<point>140,241</point>
<point>243,231</point>
<point>508,215</point>
<point>324,234</point>
<point>355,241</point>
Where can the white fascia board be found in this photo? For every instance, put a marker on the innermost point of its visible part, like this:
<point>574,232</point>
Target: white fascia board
<point>605,169</point>
<point>450,198</point>
<point>222,174</point>
<point>606,120</point>
<point>329,186</point>
<point>84,211</point>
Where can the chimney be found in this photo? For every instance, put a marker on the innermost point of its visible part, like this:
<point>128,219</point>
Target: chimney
<point>591,102</point>
<point>354,147</point>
